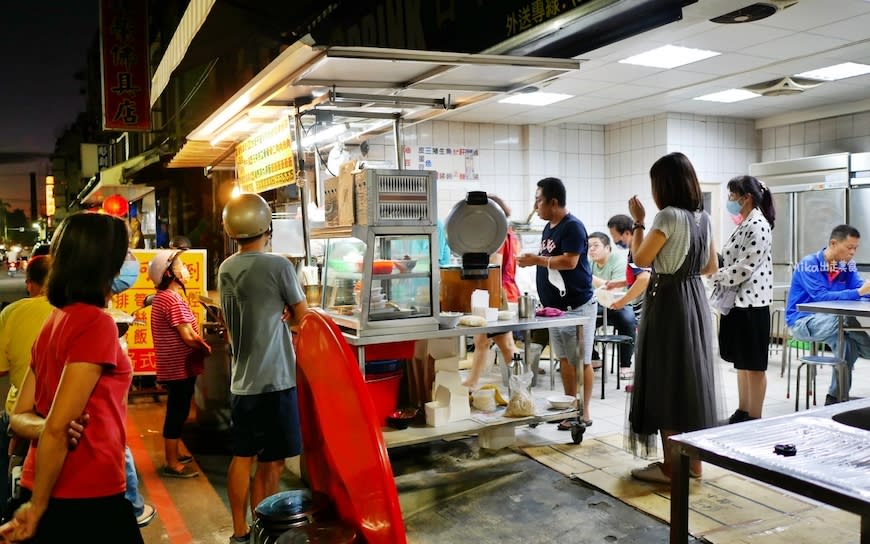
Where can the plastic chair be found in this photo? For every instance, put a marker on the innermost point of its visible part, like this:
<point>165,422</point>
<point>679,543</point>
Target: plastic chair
<point>812,363</point>
<point>345,452</point>
<point>615,341</point>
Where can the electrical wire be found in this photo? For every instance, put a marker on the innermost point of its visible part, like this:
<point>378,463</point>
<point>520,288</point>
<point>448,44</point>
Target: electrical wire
<point>192,93</point>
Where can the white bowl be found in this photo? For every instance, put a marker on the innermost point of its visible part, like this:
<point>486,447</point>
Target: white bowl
<point>449,320</point>
<point>560,402</point>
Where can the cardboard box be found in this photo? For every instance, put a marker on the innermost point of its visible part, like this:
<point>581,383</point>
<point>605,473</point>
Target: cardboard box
<point>422,376</point>
<point>330,202</point>
<point>344,194</point>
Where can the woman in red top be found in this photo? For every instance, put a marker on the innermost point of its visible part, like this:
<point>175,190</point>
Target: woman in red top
<point>78,368</point>
<point>180,351</point>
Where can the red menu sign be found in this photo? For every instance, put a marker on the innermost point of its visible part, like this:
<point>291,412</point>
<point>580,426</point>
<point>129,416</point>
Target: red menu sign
<point>124,55</point>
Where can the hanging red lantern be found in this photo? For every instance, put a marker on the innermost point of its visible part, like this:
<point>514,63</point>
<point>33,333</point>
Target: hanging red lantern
<point>116,205</point>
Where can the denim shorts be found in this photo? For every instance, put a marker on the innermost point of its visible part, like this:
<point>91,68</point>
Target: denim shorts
<point>563,340</point>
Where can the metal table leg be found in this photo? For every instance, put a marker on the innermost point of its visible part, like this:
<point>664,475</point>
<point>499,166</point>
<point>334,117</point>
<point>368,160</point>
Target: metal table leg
<point>679,497</point>
<point>842,394</point>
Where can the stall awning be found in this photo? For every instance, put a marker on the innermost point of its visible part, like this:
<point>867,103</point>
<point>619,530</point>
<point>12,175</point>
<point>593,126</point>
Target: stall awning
<point>413,85</point>
<point>115,181</point>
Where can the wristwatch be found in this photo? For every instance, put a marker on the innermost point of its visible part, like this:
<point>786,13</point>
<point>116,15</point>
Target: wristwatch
<point>638,226</point>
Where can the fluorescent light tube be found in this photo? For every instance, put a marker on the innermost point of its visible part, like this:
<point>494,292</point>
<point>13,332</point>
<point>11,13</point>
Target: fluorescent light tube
<point>729,96</point>
<point>669,56</point>
<point>837,71</point>
<point>535,99</point>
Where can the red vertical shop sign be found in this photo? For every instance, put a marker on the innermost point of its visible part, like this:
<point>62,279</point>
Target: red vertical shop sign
<point>124,55</point>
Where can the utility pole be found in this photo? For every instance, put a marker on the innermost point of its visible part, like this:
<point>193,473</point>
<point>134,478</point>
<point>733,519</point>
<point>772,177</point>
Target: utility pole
<point>34,208</point>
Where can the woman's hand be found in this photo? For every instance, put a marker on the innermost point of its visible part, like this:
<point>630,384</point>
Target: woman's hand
<point>635,208</point>
<point>618,304</point>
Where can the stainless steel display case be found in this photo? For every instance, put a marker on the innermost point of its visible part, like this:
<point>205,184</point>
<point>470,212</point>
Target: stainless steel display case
<point>379,280</point>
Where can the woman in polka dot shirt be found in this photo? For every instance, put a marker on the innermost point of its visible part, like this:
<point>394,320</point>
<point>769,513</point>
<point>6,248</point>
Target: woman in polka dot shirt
<point>744,331</point>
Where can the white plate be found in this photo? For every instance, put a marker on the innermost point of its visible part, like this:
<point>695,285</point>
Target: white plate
<point>475,228</point>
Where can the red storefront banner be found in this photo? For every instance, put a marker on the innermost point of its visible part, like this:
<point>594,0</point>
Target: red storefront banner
<point>124,56</point>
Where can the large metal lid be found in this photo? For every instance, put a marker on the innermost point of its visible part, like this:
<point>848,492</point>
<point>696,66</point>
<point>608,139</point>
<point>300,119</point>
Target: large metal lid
<point>292,506</point>
<point>476,225</point>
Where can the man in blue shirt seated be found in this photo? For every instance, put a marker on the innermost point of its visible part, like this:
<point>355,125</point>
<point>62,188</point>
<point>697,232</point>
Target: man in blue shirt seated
<point>830,274</point>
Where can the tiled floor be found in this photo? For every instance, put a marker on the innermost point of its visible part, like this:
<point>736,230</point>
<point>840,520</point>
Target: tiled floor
<point>609,414</point>
<point>196,511</point>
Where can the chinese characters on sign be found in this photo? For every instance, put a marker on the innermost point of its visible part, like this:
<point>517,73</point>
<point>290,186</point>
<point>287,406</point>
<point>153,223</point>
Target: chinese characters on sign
<point>140,345</point>
<point>124,55</point>
<point>536,12</point>
<point>265,160</point>
<point>451,163</point>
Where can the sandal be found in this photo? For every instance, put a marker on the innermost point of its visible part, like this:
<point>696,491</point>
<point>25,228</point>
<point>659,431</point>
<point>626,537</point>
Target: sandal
<point>184,472</point>
<point>568,424</point>
<point>184,459</point>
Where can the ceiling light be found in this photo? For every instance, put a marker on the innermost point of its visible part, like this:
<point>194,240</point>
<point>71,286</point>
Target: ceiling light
<point>669,56</point>
<point>729,96</point>
<point>330,133</point>
<point>838,71</point>
<point>535,99</point>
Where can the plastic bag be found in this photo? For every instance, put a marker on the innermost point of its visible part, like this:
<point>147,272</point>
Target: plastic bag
<point>521,403</point>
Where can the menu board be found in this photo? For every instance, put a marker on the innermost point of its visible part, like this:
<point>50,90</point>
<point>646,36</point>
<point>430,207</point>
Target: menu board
<point>140,345</point>
<point>451,163</point>
<point>265,160</point>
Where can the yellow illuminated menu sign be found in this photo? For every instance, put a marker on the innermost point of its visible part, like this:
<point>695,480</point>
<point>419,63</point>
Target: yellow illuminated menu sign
<point>140,345</point>
<point>265,160</point>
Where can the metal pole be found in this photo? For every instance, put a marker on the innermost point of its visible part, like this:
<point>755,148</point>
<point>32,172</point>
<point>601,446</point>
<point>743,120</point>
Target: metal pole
<point>301,184</point>
<point>397,141</point>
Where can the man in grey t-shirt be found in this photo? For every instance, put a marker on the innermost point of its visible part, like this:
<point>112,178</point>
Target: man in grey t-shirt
<point>260,297</point>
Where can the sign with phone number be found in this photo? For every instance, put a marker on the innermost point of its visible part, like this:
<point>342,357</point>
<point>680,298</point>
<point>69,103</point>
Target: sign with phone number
<point>140,345</point>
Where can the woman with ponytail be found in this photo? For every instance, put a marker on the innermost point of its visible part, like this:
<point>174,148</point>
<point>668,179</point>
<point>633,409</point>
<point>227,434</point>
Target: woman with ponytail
<point>744,328</point>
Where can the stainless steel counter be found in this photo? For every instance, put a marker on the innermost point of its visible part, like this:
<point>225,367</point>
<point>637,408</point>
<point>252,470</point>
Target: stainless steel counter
<point>515,324</point>
<point>830,464</point>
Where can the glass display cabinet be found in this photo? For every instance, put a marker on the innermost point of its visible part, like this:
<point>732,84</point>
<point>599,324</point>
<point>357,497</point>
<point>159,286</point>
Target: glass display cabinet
<point>379,280</point>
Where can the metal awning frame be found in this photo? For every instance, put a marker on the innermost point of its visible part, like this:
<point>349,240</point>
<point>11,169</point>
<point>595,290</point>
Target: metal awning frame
<point>290,84</point>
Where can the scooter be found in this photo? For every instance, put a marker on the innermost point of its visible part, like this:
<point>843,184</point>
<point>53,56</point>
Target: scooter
<point>12,268</point>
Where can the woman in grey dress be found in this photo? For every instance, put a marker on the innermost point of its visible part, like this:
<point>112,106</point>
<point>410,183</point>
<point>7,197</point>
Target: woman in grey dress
<point>674,385</point>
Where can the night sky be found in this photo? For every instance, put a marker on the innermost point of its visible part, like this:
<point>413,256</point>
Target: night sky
<point>43,43</point>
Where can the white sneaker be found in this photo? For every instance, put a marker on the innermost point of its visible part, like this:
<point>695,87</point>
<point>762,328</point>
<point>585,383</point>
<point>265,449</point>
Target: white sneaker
<point>146,516</point>
<point>651,473</point>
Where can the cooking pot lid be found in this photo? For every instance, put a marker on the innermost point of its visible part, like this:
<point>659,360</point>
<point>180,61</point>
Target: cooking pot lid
<point>475,225</point>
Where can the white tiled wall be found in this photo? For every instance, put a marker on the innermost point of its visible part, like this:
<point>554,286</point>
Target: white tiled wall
<point>512,158</point>
<point>847,133</point>
<point>602,166</point>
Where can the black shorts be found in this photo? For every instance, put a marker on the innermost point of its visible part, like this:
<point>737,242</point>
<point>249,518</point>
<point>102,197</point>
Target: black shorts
<point>266,425</point>
<point>744,335</point>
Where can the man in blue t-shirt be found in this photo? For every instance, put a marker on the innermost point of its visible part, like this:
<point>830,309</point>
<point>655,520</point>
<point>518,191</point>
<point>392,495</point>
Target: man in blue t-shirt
<point>564,281</point>
<point>831,274</point>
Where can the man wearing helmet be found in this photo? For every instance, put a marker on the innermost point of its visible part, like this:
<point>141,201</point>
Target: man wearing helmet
<point>256,289</point>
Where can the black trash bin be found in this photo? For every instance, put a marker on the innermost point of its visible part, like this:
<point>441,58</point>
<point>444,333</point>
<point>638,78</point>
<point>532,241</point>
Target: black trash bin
<point>321,532</point>
<point>287,510</point>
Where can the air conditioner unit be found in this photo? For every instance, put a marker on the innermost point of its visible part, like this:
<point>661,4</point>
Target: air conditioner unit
<point>784,86</point>
<point>754,12</point>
